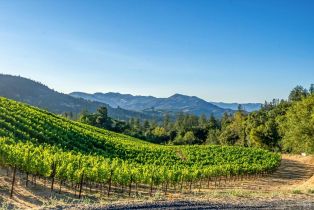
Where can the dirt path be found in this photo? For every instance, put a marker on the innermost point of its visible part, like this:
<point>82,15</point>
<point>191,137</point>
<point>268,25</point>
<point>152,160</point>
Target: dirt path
<point>293,172</point>
<point>174,205</point>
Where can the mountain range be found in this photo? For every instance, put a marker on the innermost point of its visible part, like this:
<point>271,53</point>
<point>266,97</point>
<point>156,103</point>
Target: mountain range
<point>36,94</point>
<point>173,104</point>
<point>120,106</point>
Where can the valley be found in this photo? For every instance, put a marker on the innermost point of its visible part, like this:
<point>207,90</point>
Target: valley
<point>157,105</point>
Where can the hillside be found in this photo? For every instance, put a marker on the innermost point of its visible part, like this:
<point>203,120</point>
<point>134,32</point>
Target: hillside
<point>173,104</point>
<point>80,157</point>
<point>39,95</point>
<point>23,122</point>
<point>20,122</point>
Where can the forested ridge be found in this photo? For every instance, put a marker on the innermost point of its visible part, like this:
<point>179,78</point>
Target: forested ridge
<point>280,125</point>
<point>39,95</point>
<point>45,145</point>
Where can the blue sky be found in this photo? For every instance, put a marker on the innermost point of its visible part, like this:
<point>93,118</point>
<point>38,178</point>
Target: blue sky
<point>220,50</point>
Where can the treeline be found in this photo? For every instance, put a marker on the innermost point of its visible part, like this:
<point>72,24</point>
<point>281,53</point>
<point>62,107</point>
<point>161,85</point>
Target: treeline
<point>276,126</point>
<point>184,129</point>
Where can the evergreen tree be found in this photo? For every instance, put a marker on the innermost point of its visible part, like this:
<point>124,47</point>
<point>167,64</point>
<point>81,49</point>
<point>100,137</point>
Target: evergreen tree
<point>213,123</point>
<point>311,90</point>
<point>203,121</point>
<point>298,93</point>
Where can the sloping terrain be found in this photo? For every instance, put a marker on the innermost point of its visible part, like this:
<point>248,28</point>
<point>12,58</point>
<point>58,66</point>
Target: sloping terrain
<point>39,95</point>
<point>50,148</point>
<point>22,122</point>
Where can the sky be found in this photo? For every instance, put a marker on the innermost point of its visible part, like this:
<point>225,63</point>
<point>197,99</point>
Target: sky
<point>219,50</point>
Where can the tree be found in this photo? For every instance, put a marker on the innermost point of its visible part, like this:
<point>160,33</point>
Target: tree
<point>189,137</point>
<point>84,117</point>
<point>311,90</point>
<point>160,133</point>
<point>166,122</point>
<point>262,126</point>
<point>298,93</point>
<point>202,121</point>
<point>212,136</point>
<point>298,127</point>
<point>265,135</point>
<point>212,122</point>
<point>225,120</point>
<point>234,132</point>
<point>103,111</point>
<point>146,125</point>
<point>102,116</point>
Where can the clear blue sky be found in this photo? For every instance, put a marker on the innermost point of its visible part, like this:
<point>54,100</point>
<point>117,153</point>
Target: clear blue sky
<point>220,50</point>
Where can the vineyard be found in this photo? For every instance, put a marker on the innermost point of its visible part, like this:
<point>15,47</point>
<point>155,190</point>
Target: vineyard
<point>38,143</point>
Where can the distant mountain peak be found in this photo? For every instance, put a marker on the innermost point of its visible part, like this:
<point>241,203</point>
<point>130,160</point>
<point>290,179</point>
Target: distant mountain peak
<point>178,95</point>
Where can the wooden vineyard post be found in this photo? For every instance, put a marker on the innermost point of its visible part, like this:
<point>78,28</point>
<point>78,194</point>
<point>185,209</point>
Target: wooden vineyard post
<point>81,185</point>
<point>13,181</point>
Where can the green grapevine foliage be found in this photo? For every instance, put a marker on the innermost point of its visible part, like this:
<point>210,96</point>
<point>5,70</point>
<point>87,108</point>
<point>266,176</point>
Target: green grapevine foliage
<point>43,144</point>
